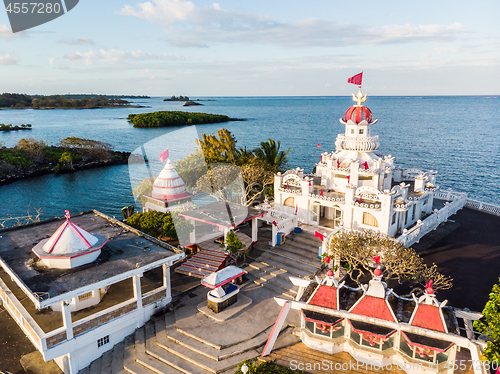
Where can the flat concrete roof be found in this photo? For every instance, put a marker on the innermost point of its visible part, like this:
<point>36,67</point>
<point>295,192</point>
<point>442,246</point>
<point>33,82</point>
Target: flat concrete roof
<point>222,213</point>
<point>126,250</point>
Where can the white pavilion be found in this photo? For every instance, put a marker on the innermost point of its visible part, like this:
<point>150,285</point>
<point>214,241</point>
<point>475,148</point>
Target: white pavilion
<point>354,187</point>
<point>169,191</point>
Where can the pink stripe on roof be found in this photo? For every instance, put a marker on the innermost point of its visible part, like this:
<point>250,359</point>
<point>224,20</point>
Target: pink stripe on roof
<point>57,234</point>
<point>72,225</point>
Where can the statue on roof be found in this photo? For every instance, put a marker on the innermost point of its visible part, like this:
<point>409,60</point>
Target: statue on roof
<point>359,98</point>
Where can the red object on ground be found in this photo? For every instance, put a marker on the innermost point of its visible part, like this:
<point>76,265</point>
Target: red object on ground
<point>356,79</point>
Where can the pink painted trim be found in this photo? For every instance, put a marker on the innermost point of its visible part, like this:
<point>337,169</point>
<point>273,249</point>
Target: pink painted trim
<point>168,179</point>
<point>72,225</point>
<point>169,187</point>
<point>58,232</point>
<point>223,283</point>
<point>166,197</point>
<point>424,346</point>
<point>273,331</point>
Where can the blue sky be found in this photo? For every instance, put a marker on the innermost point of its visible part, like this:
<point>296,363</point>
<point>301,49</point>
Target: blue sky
<point>258,48</point>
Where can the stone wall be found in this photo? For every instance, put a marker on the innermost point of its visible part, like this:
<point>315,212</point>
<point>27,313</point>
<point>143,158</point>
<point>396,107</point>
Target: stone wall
<point>153,297</point>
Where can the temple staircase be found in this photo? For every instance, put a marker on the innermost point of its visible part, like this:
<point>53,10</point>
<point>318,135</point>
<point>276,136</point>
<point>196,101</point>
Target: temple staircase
<point>162,348</point>
<point>272,267</point>
<point>203,263</point>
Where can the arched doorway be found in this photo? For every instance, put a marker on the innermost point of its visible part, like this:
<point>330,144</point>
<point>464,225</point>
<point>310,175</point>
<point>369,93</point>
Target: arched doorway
<point>289,201</point>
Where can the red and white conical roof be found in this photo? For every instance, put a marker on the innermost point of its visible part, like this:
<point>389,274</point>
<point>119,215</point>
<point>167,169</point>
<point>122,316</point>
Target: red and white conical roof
<point>169,185</point>
<point>69,238</point>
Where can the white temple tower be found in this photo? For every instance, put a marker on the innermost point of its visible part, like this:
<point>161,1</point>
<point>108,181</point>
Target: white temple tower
<point>354,187</point>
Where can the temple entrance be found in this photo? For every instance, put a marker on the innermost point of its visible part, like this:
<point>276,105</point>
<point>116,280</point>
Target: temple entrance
<point>325,216</point>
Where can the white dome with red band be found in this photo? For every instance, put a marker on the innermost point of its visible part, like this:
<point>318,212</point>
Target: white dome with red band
<point>169,185</point>
<point>358,113</point>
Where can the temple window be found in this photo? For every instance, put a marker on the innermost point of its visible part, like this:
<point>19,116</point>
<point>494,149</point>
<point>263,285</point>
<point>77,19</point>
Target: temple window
<point>352,131</point>
<point>413,212</point>
<point>323,325</point>
<point>424,348</point>
<point>361,131</point>
<point>369,219</point>
<point>393,219</point>
<point>372,336</point>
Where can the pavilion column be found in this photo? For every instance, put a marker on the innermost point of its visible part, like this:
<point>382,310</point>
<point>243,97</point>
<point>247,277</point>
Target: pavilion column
<point>254,230</point>
<point>136,281</point>
<point>192,234</point>
<point>275,235</point>
<point>67,322</point>
<point>166,281</point>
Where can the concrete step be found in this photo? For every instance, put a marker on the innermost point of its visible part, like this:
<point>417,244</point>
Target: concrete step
<point>292,248</point>
<point>293,266</point>
<point>304,238</point>
<point>167,358</point>
<point>95,366</point>
<point>295,257</point>
<point>129,359</point>
<point>149,361</point>
<point>191,356</point>
<point>106,360</point>
<point>117,359</point>
<point>271,286</point>
<point>211,252</point>
<point>269,269</point>
<point>286,285</point>
<point>168,324</point>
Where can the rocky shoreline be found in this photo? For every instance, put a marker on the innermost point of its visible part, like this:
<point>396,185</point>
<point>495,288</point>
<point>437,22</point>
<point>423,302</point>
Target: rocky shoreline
<point>117,158</point>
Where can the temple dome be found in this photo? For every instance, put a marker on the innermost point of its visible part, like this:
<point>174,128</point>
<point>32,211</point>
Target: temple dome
<point>358,113</point>
<point>169,185</point>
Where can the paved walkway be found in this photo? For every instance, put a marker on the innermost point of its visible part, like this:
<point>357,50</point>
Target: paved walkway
<point>468,250</point>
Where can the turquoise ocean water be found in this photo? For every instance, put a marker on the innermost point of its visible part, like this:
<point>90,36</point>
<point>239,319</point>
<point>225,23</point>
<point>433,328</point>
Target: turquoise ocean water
<point>458,136</point>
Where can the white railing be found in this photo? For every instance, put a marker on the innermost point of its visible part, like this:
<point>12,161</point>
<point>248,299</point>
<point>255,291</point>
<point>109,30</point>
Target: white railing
<point>369,143</point>
<point>450,195</point>
<point>483,207</point>
<point>287,225</point>
<point>413,235</point>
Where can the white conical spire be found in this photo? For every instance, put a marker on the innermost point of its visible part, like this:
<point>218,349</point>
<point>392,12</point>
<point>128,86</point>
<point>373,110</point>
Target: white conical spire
<point>69,238</point>
<point>169,185</point>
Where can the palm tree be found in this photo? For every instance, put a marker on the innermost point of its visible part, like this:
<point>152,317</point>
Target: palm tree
<point>269,152</point>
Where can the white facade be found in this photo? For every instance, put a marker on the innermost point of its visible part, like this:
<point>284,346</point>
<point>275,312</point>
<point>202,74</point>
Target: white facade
<point>356,188</point>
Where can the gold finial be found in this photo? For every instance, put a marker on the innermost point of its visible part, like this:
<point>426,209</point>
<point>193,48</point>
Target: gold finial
<point>359,98</point>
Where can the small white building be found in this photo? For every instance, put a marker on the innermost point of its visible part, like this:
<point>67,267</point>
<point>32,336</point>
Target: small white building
<point>354,186</point>
<point>73,312</point>
<point>169,192</point>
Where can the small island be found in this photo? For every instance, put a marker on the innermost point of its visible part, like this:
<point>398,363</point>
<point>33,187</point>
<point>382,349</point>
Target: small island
<point>177,98</point>
<point>176,118</point>
<point>9,127</point>
<point>22,101</point>
<point>191,103</point>
<point>31,157</point>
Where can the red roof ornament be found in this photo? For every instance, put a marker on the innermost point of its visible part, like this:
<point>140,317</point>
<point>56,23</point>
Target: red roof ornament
<point>377,260</point>
<point>67,215</point>
<point>428,287</point>
<point>377,272</point>
<point>358,113</point>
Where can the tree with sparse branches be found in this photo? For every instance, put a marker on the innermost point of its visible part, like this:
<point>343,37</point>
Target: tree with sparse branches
<point>356,249</point>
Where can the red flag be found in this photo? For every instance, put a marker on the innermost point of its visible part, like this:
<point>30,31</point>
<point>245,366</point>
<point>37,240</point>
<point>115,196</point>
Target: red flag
<point>365,164</point>
<point>287,186</point>
<point>318,146</point>
<point>327,259</point>
<point>321,158</point>
<point>338,164</point>
<point>377,260</point>
<point>274,222</point>
<point>321,193</point>
<point>164,155</point>
<point>356,79</point>
<point>296,208</point>
<point>360,198</point>
<point>429,284</point>
<point>310,184</point>
<point>348,179</point>
<point>319,235</point>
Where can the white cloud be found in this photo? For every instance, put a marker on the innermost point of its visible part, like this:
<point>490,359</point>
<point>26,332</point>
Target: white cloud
<point>186,24</point>
<point>114,55</point>
<point>80,41</point>
<point>8,59</point>
<point>51,60</point>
